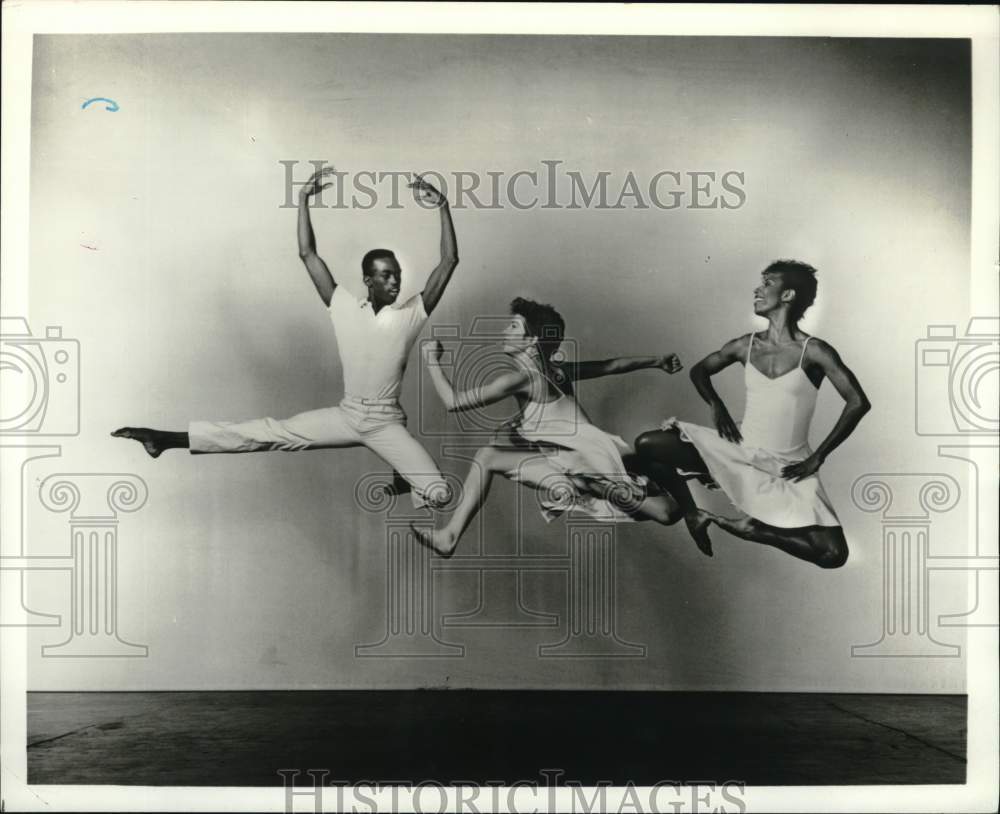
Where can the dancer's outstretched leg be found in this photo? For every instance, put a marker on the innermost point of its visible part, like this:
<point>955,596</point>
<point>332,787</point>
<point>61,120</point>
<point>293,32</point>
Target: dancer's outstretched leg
<point>650,504</point>
<point>533,471</point>
<point>662,453</point>
<point>488,462</point>
<point>413,468</point>
<point>314,429</point>
<point>662,509</point>
<point>155,442</point>
<point>824,546</point>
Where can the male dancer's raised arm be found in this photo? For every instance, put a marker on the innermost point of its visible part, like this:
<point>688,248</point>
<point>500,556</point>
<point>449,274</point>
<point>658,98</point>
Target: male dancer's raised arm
<point>317,269</point>
<point>439,278</point>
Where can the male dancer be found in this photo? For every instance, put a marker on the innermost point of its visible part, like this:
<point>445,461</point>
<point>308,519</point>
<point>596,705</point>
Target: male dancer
<point>374,337</point>
<point>765,466</point>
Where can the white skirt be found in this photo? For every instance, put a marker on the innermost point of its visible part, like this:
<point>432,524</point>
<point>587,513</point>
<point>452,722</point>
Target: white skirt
<point>579,468</point>
<point>751,479</point>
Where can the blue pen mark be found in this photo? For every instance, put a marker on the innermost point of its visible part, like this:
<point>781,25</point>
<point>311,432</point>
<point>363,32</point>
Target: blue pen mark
<point>112,106</point>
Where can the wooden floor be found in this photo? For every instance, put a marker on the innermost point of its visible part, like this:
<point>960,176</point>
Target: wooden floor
<point>244,738</point>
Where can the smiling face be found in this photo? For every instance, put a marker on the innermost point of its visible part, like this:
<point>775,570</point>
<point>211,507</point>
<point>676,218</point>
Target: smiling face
<point>515,335</point>
<point>770,295</point>
<point>383,281</point>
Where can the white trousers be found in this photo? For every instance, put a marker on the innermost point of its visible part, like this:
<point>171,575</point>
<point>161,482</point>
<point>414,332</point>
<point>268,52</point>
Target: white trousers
<point>379,424</point>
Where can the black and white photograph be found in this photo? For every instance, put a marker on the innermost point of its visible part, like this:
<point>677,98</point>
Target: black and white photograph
<point>499,407</point>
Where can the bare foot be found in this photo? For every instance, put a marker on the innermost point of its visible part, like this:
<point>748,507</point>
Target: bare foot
<point>146,437</point>
<point>440,541</point>
<point>698,522</point>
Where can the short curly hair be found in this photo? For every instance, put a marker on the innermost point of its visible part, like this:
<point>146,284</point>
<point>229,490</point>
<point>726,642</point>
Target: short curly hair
<point>543,322</point>
<point>800,278</point>
<point>368,261</point>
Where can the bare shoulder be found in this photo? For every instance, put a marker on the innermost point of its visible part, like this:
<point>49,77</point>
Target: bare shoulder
<point>819,351</point>
<point>737,348</point>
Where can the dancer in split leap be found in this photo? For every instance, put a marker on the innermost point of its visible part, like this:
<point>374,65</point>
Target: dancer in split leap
<point>573,464</point>
<point>374,337</point>
<point>765,466</point>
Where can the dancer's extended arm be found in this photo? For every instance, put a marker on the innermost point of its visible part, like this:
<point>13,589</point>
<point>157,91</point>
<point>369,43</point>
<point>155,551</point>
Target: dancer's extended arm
<point>701,377</point>
<point>506,384</point>
<point>856,404</point>
<point>317,269</point>
<point>438,281</point>
<point>577,371</point>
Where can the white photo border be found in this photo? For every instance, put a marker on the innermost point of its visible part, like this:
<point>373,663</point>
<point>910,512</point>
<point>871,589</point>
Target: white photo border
<point>21,20</point>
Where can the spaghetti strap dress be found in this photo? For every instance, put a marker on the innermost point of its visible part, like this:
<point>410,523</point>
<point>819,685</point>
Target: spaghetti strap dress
<point>775,431</point>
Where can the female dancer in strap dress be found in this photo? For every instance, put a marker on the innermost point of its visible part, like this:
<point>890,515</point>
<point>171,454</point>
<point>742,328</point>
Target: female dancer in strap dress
<point>574,464</point>
<point>766,466</point>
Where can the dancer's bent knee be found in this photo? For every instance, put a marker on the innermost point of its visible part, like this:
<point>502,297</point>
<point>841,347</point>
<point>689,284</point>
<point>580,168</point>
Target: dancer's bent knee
<point>833,554</point>
<point>487,458</point>
<point>658,445</point>
<point>646,444</point>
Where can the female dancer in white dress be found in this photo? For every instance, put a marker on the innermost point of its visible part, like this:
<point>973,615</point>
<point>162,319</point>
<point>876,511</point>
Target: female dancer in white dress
<point>766,466</point>
<point>575,465</point>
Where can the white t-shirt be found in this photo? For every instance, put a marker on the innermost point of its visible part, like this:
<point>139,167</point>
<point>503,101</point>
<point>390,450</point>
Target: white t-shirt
<point>374,347</point>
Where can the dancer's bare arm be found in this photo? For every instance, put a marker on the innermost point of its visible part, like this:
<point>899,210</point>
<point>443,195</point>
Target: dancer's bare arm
<point>577,371</point>
<point>438,281</point>
<point>856,404</point>
<point>701,376</point>
<point>317,269</point>
<point>506,384</point>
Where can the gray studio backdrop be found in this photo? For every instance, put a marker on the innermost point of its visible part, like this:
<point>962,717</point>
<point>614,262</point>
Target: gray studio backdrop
<point>159,241</point>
